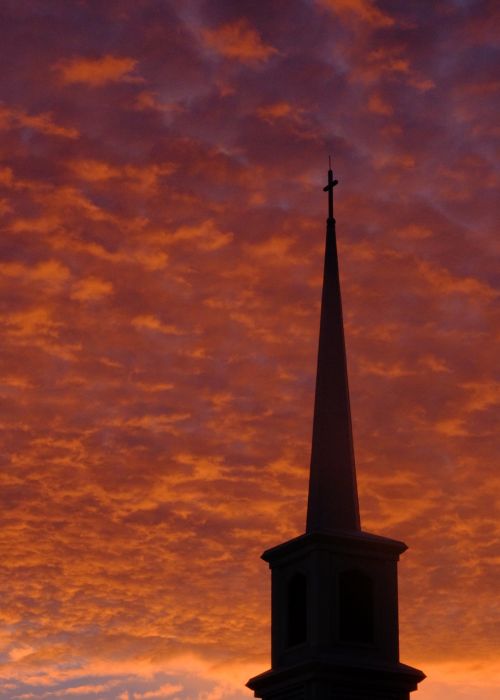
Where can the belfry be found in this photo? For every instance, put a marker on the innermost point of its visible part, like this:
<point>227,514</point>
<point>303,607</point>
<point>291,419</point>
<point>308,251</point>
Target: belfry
<point>334,596</point>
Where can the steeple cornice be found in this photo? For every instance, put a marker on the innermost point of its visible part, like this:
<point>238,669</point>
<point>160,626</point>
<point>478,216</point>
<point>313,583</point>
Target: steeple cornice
<point>359,542</point>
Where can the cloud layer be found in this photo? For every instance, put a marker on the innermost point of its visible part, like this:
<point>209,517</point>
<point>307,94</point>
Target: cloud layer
<point>163,224</point>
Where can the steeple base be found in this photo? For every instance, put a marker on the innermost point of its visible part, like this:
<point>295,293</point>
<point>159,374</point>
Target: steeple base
<point>343,680</point>
<point>334,627</point>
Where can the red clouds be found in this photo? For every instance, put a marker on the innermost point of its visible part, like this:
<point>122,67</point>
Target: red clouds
<point>97,71</point>
<point>238,40</point>
<point>14,117</point>
<point>162,234</point>
<point>359,10</point>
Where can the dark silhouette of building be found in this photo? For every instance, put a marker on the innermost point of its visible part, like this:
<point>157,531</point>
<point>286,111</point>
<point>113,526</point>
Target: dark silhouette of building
<point>334,594</point>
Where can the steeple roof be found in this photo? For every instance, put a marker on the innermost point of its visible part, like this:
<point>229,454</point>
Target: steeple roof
<point>333,499</point>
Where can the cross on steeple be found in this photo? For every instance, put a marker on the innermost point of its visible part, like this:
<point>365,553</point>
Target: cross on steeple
<point>329,188</point>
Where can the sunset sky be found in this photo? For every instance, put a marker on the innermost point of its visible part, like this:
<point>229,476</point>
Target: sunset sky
<point>162,238</point>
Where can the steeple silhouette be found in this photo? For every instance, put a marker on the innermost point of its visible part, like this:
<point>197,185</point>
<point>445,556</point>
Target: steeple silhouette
<point>333,497</point>
<point>334,601</point>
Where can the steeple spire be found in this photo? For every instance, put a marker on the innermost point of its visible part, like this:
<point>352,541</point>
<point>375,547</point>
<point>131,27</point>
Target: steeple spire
<point>333,499</point>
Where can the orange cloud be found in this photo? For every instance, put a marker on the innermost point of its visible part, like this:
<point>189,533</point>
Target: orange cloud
<point>414,232</point>
<point>6,176</point>
<point>387,60</point>
<point>91,289</point>
<point>238,40</point>
<point>276,110</point>
<point>163,691</point>
<point>364,10</point>
<point>378,105</point>
<point>12,117</point>
<point>388,63</point>
<point>97,72</point>
<point>51,273</point>
<point>447,283</point>
<point>206,236</point>
<point>282,111</point>
<point>154,324</point>
<point>35,321</point>
<point>98,171</point>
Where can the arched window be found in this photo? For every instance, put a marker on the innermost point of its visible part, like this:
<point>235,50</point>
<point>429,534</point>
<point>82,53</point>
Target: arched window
<point>297,610</point>
<point>355,607</point>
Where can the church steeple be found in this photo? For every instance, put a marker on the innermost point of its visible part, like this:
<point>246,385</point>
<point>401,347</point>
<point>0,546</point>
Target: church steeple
<point>333,498</point>
<point>334,593</point>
